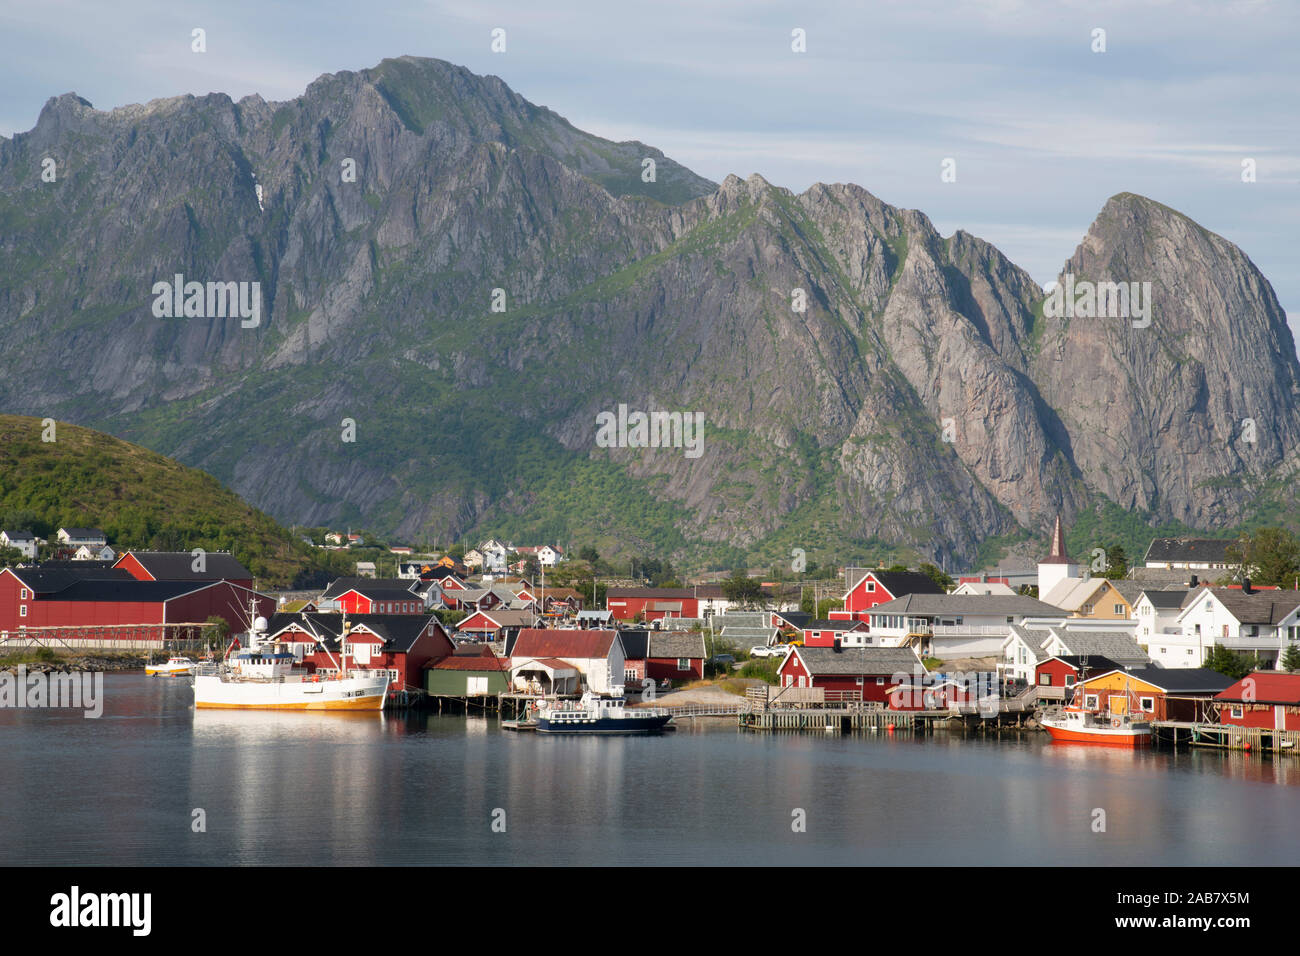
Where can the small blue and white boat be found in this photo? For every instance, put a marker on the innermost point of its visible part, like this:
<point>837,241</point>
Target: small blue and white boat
<point>599,715</point>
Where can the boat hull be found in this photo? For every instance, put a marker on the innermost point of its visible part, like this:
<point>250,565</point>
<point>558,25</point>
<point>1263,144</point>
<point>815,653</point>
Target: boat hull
<point>1100,736</point>
<point>350,694</point>
<point>605,725</point>
<point>161,672</point>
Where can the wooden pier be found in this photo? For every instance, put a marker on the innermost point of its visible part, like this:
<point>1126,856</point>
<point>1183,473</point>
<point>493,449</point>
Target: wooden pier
<point>1226,736</point>
<point>833,719</point>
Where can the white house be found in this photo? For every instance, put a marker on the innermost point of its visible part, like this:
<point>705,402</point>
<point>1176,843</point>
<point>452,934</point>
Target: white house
<point>1196,554</point>
<point>1258,623</point>
<point>598,655</point>
<point>76,537</point>
<point>549,557</point>
<point>953,625</point>
<point>983,587</point>
<point>1022,651</point>
<point>22,541</point>
<point>1156,613</point>
<point>87,553</point>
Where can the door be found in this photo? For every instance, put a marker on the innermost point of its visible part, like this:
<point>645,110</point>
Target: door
<point>477,686</point>
<point>1118,704</point>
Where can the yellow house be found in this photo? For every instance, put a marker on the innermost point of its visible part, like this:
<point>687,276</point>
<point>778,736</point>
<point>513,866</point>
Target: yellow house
<point>1153,693</point>
<point>1096,599</point>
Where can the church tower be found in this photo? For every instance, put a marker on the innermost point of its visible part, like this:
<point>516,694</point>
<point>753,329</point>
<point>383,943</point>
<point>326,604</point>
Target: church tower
<point>1057,566</point>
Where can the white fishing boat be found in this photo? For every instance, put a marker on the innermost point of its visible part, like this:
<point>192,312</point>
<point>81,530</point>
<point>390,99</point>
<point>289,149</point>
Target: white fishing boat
<point>175,667</point>
<point>262,677</point>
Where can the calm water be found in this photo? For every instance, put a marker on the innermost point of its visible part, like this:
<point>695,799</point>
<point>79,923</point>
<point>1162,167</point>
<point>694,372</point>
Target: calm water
<point>418,789</point>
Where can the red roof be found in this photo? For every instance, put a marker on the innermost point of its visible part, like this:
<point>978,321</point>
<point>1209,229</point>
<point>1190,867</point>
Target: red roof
<point>1268,688</point>
<point>538,643</point>
<point>477,662</point>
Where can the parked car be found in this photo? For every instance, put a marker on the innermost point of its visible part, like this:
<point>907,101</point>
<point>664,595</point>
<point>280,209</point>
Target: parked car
<point>763,650</point>
<point>722,660</point>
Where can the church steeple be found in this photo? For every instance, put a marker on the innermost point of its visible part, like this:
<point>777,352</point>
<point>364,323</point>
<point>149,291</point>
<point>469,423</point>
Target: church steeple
<point>1057,555</point>
<point>1057,566</point>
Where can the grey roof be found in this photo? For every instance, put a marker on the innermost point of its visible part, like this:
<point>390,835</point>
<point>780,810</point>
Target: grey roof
<point>1131,590</point>
<point>858,660</point>
<point>740,619</point>
<point>1184,679</point>
<point>1166,577</point>
<point>385,589</point>
<point>1166,600</point>
<point>822,624</point>
<point>930,604</point>
<point>671,644</point>
<point>83,534</point>
<point>1258,607</point>
<point>506,617</point>
<point>1208,550</point>
<point>20,536</point>
<point>1033,637</point>
<point>759,635</point>
<point>179,566</point>
<point>1119,647</point>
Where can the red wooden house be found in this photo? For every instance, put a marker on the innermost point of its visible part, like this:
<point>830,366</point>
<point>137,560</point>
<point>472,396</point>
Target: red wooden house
<point>1057,676</point>
<point>1268,700</point>
<point>877,587</point>
<point>401,644</point>
<point>675,655</point>
<point>374,596</point>
<point>825,633</point>
<point>867,673</point>
<point>938,696</point>
<point>494,625</point>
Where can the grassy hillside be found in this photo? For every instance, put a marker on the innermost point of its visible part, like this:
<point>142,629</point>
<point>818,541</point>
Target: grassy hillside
<point>138,498</point>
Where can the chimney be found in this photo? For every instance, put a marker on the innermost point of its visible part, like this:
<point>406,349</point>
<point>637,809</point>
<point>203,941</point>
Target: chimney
<point>1193,582</point>
<point>837,645</point>
<point>1245,586</point>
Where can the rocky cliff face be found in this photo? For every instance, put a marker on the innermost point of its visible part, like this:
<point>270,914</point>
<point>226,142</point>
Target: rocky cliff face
<point>493,278</point>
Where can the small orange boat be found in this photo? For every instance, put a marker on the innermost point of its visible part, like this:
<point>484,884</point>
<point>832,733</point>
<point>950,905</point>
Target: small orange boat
<point>1077,725</point>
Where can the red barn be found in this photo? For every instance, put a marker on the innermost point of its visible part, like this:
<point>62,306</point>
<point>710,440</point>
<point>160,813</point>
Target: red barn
<point>494,625</point>
<point>184,566</point>
<point>651,604</point>
<point>877,587</point>
<point>871,672</point>
<point>374,596</point>
<point>76,602</point>
<point>1269,700</point>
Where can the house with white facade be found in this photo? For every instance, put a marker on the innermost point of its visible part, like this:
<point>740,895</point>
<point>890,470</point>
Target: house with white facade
<point>1114,644</point>
<point>1156,613</point>
<point>1196,554</point>
<point>87,553</point>
<point>76,537</point>
<point>21,541</point>
<point>1260,623</point>
<point>953,625</point>
<point>1057,566</point>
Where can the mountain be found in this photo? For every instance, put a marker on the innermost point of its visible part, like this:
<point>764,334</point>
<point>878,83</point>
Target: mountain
<point>56,475</point>
<point>494,279</point>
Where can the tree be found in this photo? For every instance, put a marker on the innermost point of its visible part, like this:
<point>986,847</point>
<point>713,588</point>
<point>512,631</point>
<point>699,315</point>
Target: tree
<point>742,589</point>
<point>1291,659</point>
<point>1269,556</point>
<point>826,605</point>
<point>588,553</point>
<point>1116,563</point>
<point>1227,663</point>
<point>938,576</point>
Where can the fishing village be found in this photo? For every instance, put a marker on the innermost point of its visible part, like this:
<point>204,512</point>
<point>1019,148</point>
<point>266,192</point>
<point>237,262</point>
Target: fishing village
<point>1091,660</point>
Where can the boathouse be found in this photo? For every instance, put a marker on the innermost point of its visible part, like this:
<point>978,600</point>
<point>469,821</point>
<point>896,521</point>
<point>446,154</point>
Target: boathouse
<point>598,655</point>
<point>477,674</point>
<point>1156,693</point>
<point>373,596</point>
<point>675,656</point>
<point>858,673</point>
<point>1263,699</point>
<point>876,587</point>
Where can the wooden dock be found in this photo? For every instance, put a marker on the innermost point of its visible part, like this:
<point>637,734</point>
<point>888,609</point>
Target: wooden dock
<point>832,719</point>
<point>1226,736</point>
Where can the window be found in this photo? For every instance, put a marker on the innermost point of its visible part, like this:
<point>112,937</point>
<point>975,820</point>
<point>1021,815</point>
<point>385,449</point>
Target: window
<point>1293,633</point>
<point>1044,680</point>
<point>1235,710</point>
<point>1119,611</point>
<point>22,610</point>
<point>859,681</point>
<point>683,664</point>
<point>880,682</point>
<point>1069,680</point>
<point>1090,701</point>
<point>871,586</point>
<point>1189,650</point>
<point>1010,619</point>
<point>1148,704</point>
<point>1164,651</point>
<point>23,594</point>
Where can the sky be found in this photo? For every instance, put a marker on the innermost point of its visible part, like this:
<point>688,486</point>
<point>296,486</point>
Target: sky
<point>1042,125</point>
